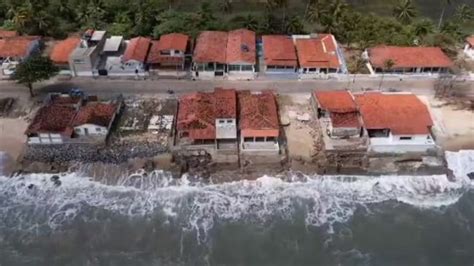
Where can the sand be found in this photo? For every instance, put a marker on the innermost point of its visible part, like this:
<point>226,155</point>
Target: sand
<point>12,140</point>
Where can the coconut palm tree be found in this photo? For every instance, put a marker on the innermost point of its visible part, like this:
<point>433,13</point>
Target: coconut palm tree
<point>423,27</point>
<point>464,13</point>
<point>314,11</point>
<point>225,6</point>
<point>294,25</point>
<point>404,11</point>
<point>446,3</point>
<point>250,22</point>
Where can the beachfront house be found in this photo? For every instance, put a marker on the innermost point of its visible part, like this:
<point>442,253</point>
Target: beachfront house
<point>167,55</point>
<point>14,49</point>
<point>318,56</point>
<point>469,47</point>
<point>396,122</point>
<point>407,60</point>
<point>337,113</point>
<point>134,58</point>
<point>209,57</point>
<point>241,55</point>
<point>279,56</point>
<point>259,123</point>
<point>61,52</point>
<point>84,59</point>
<point>208,120</point>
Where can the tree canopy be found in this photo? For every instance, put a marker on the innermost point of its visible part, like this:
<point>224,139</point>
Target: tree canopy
<point>34,69</point>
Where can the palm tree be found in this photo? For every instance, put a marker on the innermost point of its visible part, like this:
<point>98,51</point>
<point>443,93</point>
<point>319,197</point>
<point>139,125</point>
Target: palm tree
<point>423,27</point>
<point>446,3</point>
<point>225,6</point>
<point>404,11</point>
<point>250,22</point>
<point>280,4</point>
<point>464,13</point>
<point>294,25</point>
<point>387,66</point>
<point>332,16</point>
<point>315,11</point>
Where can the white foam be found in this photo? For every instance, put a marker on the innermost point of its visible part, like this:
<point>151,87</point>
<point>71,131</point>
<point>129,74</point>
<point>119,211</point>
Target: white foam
<point>324,199</point>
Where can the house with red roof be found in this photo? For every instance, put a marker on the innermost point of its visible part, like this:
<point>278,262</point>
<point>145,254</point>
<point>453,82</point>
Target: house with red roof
<point>72,119</point>
<point>14,49</point>
<point>338,114</point>
<point>396,122</point>
<point>209,56</point>
<point>279,55</point>
<point>407,60</point>
<point>208,120</point>
<point>259,123</point>
<point>241,54</point>
<point>134,57</point>
<point>469,47</point>
<point>62,50</point>
<point>167,55</point>
<point>318,55</point>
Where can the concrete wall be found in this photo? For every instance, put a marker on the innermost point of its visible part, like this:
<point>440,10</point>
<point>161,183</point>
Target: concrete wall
<point>394,144</point>
<point>226,128</point>
<point>91,130</point>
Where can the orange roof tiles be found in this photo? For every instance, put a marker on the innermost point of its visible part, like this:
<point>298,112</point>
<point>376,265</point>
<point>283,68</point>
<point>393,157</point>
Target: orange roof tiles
<point>279,50</point>
<point>241,47</point>
<point>318,52</point>
<point>100,114</point>
<point>173,41</point>
<point>198,111</point>
<point>137,49</point>
<point>336,101</point>
<point>470,40</point>
<point>155,56</point>
<point>408,57</point>
<point>345,120</point>
<point>7,33</point>
<point>258,114</point>
<point>403,114</point>
<point>16,46</point>
<point>211,47</point>
<point>52,119</point>
<point>62,50</point>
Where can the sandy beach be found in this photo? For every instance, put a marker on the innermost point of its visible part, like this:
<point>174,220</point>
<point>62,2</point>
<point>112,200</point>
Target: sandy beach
<point>12,140</point>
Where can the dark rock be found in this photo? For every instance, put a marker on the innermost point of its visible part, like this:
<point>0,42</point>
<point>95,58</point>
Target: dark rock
<point>57,183</point>
<point>54,178</point>
<point>471,176</point>
<point>31,186</point>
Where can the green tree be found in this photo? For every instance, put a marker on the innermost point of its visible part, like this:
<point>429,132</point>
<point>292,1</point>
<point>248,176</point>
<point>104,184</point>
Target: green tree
<point>225,6</point>
<point>445,4</point>
<point>34,69</point>
<point>387,67</point>
<point>294,25</point>
<point>250,22</point>
<point>314,10</point>
<point>356,65</point>
<point>423,27</point>
<point>464,13</point>
<point>404,11</point>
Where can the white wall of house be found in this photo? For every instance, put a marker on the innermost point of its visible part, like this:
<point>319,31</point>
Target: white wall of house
<point>209,70</point>
<point>91,130</point>
<point>250,144</point>
<point>46,138</point>
<point>402,143</point>
<point>226,128</point>
<point>241,71</point>
<point>469,51</point>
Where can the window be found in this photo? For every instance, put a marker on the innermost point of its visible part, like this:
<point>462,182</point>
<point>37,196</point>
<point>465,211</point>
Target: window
<point>260,139</point>
<point>271,139</point>
<point>229,121</point>
<point>234,67</point>
<point>405,138</point>
<point>221,121</point>
<point>248,139</point>
<point>311,69</point>
<point>247,68</point>
<point>165,52</point>
<point>77,130</point>
<point>98,129</point>
<point>209,67</point>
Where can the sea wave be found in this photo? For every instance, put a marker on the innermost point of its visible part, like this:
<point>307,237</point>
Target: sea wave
<point>33,203</point>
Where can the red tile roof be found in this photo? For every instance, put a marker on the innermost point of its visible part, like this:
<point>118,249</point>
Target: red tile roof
<point>211,47</point>
<point>258,114</point>
<point>318,52</point>
<point>241,47</point>
<point>470,40</point>
<point>401,113</point>
<point>345,120</point>
<point>137,49</point>
<point>62,50</point>
<point>409,56</point>
<point>155,57</point>
<point>7,33</point>
<point>336,101</point>
<point>52,119</point>
<point>100,114</point>
<point>279,50</point>
<point>16,46</point>
<point>173,41</point>
<point>197,112</point>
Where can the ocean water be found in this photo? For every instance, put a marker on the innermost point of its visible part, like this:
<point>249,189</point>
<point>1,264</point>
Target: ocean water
<point>153,219</point>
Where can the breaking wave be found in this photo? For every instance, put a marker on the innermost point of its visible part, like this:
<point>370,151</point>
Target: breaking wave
<point>33,203</point>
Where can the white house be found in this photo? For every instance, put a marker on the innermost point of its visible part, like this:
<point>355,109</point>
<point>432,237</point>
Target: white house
<point>469,47</point>
<point>94,120</point>
<point>396,122</point>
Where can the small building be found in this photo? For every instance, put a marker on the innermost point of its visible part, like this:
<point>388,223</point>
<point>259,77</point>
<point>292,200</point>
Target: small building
<point>259,124</point>
<point>241,54</point>
<point>61,52</point>
<point>14,49</point>
<point>84,60</point>
<point>318,55</point>
<point>469,47</point>
<point>134,58</point>
<point>208,121</point>
<point>167,55</point>
<point>338,114</point>
<point>94,120</point>
<point>407,60</point>
<point>279,55</point>
<point>209,57</point>
<point>396,122</point>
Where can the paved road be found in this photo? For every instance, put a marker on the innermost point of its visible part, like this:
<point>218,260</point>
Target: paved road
<point>103,87</point>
